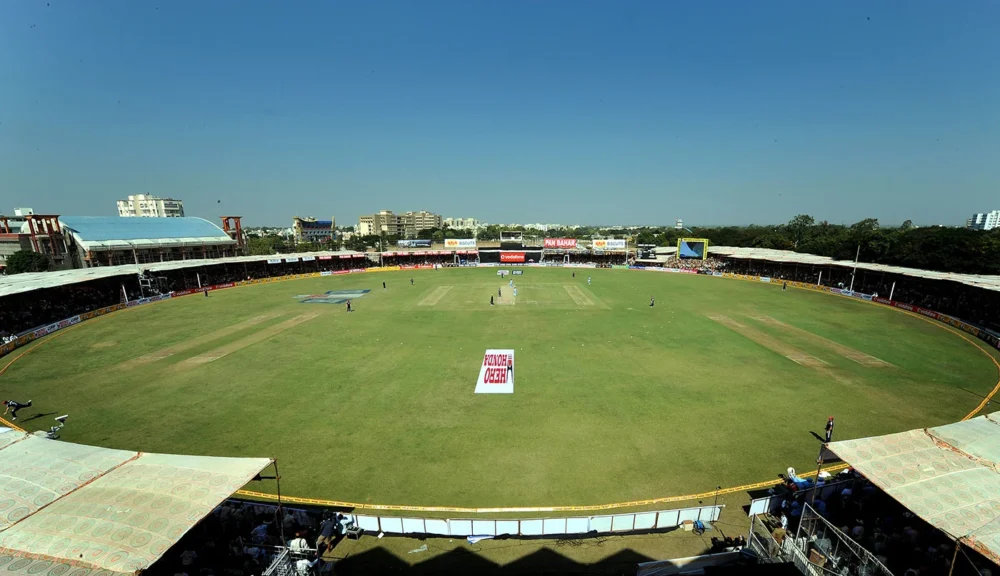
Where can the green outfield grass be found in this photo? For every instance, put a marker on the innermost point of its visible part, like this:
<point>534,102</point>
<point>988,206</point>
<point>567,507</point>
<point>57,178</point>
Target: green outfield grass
<point>614,401</point>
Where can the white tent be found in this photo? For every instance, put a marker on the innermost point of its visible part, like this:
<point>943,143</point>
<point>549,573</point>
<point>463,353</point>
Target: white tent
<point>109,512</point>
<point>947,475</point>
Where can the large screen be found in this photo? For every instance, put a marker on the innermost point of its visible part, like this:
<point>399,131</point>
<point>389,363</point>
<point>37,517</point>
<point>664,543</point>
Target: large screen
<point>692,248</point>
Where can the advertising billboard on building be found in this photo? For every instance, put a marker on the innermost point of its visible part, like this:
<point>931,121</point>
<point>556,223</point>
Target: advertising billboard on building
<point>512,256</point>
<point>459,242</point>
<point>609,244</point>
<point>413,243</point>
<point>564,243</point>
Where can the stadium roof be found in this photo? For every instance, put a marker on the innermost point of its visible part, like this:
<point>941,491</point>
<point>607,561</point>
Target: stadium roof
<point>789,257</point>
<point>17,283</point>
<point>95,233</point>
<point>112,512</point>
<point>947,475</point>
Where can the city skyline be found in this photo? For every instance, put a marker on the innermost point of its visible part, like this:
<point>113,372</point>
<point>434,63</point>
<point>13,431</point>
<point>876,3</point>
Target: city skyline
<point>640,112</point>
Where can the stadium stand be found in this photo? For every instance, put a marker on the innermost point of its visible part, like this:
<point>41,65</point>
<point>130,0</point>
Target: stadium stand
<point>96,510</point>
<point>32,300</point>
<point>109,241</point>
<point>249,535</point>
<point>913,501</point>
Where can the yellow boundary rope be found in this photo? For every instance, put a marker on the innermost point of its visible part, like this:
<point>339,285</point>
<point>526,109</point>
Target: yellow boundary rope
<point>585,508</point>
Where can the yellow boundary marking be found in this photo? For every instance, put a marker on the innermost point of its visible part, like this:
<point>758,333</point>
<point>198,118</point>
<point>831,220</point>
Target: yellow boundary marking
<point>585,508</point>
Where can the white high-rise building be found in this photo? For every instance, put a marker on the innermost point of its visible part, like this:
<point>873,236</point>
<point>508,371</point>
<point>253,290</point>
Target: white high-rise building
<point>151,207</point>
<point>462,223</point>
<point>984,221</point>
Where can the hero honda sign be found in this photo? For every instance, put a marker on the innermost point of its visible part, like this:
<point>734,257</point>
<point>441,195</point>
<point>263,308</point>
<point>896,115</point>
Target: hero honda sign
<point>496,374</point>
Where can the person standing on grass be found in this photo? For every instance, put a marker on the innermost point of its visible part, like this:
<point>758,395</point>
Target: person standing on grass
<point>411,281</point>
<point>13,406</point>
<point>499,292</point>
<point>588,280</point>
<point>829,429</point>
<point>349,306</point>
<point>383,285</point>
<point>784,286</point>
<point>491,300</point>
<point>651,301</point>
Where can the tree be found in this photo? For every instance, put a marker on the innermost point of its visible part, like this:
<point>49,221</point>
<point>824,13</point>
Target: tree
<point>27,261</point>
<point>262,246</point>
<point>798,227</point>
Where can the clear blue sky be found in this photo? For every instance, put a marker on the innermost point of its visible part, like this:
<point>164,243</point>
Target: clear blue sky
<point>571,112</point>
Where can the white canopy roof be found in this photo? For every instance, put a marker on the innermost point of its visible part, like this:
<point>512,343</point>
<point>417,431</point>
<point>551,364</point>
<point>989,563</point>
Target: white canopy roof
<point>947,475</point>
<point>17,283</point>
<point>789,257</point>
<point>110,511</point>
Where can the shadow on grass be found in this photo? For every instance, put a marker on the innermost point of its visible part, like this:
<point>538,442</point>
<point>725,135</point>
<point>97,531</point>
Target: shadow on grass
<point>37,416</point>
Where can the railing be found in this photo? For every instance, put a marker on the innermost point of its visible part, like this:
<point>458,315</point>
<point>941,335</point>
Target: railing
<point>530,527</point>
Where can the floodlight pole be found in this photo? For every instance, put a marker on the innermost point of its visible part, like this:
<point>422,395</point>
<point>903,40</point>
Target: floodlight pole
<point>855,272</point>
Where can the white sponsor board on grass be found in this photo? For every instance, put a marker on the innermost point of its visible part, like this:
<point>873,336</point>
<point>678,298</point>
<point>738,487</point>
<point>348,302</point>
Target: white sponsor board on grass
<point>503,272</point>
<point>496,374</point>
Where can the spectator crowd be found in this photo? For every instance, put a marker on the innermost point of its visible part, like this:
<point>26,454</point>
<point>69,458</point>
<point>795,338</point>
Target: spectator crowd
<point>899,539</point>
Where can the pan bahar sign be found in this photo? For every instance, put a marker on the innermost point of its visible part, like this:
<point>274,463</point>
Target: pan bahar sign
<point>496,374</point>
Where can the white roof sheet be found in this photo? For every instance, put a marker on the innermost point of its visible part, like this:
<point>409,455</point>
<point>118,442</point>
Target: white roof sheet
<point>947,475</point>
<point>17,283</point>
<point>117,511</point>
<point>96,233</point>
<point>977,280</point>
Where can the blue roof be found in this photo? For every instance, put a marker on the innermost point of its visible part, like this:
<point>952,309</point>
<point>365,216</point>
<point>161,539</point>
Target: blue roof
<point>109,228</point>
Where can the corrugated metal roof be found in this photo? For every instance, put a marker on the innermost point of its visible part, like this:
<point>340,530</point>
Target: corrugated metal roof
<point>947,475</point>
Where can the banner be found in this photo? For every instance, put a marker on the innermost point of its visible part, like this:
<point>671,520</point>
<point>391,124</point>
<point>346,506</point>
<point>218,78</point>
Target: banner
<point>496,375</point>
<point>326,273</point>
<point>329,257</point>
<point>308,258</point>
<point>512,256</point>
<point>413,243</point>
<point>566,243</point>
<point>610,244</point>
<point>517,272</point>
<point>274,260</point>
<point>857,295</point>
<point>502,272</point>
<point>459,243</point>
<point>295,259</point>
